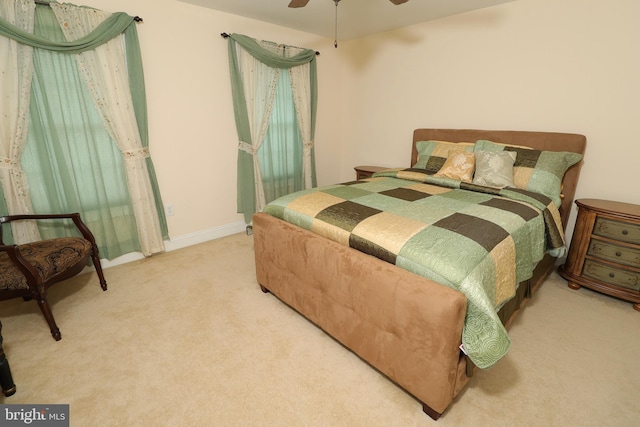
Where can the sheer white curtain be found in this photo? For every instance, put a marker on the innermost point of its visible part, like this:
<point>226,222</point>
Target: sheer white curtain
<point>16,69</point>
<point>105,73</point>
<point>259,82</point>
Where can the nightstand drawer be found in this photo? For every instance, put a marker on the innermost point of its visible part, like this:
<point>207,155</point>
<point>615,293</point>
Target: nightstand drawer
<point>622,231</point>
<point>615,253</point>
<point>612,275</point>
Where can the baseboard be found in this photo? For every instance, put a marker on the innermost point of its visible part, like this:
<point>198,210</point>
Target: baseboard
<point>204,236</point>
<point>179,242</point>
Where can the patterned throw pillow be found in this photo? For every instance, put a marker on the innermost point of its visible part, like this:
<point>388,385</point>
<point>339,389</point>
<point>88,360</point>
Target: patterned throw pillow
<point>535,170</point>
<point>459,165</point>
<point>494,168</point>
<point>433,154</point>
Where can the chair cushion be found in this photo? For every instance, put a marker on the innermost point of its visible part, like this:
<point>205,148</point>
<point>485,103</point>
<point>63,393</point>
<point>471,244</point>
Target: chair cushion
<point>49,257</point>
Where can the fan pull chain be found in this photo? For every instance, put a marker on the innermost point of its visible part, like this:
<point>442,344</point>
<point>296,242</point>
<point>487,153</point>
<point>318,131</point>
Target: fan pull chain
<point>335,40</point>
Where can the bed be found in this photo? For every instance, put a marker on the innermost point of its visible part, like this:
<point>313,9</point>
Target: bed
<point>420,326</point>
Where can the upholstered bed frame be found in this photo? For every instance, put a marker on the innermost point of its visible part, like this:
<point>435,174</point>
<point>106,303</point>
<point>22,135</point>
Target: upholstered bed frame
<point>409,328</point>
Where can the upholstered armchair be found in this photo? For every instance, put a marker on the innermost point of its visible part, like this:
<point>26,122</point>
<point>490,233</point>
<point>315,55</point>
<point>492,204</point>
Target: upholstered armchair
<point>28,270</point>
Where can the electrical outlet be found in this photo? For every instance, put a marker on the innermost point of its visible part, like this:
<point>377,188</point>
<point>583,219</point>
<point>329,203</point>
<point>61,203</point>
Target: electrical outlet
<point>168,209</point>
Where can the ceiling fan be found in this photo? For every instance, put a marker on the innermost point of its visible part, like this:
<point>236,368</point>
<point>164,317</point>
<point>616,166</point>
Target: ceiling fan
<point>302,3</point>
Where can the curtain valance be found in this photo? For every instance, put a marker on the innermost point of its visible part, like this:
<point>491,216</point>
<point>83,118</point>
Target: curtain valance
<point>111,27</point>
<point>270,58</point>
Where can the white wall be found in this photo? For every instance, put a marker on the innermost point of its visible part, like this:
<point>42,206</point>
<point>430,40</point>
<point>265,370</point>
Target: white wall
<point>546,65</point>
<point>542,65</point>
<point>193,139</point>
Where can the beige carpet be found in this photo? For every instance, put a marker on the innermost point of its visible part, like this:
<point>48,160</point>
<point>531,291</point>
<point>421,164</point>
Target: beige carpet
<point>188,339</point>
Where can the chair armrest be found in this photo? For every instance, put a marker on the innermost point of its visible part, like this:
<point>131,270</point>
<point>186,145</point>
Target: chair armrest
<point>9,218</point>
<point>75,217</point>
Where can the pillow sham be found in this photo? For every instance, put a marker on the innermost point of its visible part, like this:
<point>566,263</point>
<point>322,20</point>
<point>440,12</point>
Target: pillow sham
<point>535,170</point>
<point>459,165</point>
<point>433,154</point>
<point>494,168</point>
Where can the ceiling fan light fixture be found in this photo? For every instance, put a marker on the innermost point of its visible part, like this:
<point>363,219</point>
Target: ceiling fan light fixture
<point>303,3</point>
<point>335,39</point>
<point>298,3</point>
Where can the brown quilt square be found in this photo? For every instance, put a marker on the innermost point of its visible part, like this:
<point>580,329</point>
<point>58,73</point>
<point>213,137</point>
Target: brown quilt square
<point>346,215</point>
<point>485,233</point>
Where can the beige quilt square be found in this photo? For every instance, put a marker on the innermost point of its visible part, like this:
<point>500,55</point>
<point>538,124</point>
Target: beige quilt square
<point>330,231</point>
<point>388,230</point>
<point>504,258</point>
<point>311,204</point>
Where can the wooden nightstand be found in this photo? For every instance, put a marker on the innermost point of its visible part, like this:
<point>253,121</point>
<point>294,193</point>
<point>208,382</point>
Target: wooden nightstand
<point>363,172</point>
<point>605,250</point>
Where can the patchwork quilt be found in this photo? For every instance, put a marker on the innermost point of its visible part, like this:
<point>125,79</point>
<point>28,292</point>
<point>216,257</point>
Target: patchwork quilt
<point>479,240</point>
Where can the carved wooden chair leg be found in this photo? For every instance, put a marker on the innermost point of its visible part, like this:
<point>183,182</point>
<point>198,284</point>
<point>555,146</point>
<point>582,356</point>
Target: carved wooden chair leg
<point>48,315</point>
<point>6,380</point>
<point>98,266</point>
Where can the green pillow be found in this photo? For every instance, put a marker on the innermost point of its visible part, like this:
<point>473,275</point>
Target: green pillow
<point>535,170</point>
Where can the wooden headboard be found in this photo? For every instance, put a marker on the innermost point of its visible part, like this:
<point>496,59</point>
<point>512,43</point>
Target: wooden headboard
<point>546,141</point>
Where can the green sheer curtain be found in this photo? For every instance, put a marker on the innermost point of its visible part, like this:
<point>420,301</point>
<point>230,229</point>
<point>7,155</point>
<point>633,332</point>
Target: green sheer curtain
<point>71,162</point>
<point>79,168</point>
<point>280,154</point>
<point>275,112</point>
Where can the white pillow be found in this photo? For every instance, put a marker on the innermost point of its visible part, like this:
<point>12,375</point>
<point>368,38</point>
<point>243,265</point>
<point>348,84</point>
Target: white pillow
<point>494,168</point>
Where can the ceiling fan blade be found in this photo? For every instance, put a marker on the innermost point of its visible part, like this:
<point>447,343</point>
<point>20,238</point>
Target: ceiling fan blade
<point>398,1</point>
<point>299,3</point>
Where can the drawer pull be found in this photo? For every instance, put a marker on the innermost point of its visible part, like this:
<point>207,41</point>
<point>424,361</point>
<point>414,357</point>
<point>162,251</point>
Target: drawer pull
<point>625,232</point>
<point>612,275</point>
<point>618,253</point>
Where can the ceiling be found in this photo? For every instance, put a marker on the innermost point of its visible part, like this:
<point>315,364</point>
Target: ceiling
<point>356,18</point>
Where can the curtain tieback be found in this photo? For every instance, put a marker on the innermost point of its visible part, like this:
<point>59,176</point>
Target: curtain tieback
<point>140,153</point>
<point>308,144</point>
<point>247,148</point>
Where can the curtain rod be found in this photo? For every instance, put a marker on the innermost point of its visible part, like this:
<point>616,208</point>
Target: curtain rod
<point>226,36</point>
<point>46,3</point>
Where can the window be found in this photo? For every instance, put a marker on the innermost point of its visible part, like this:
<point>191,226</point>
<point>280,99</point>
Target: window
<point>281,152</point>
<point>71,162</point>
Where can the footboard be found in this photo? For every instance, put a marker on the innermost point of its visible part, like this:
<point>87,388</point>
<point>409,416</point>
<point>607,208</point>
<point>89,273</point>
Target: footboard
<point>407,327</point>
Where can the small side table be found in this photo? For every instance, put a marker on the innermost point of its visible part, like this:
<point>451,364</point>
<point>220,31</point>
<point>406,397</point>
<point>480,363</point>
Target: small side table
<point>605,249</point>
<point>6,380</point>
<point>364,172</point>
